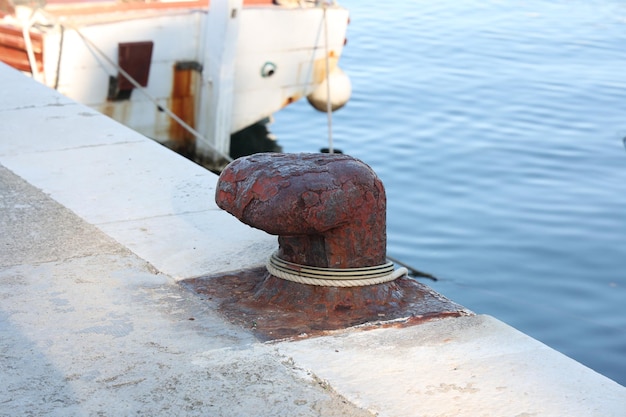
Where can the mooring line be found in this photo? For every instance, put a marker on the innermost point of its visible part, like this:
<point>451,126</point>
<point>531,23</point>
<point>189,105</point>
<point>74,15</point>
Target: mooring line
<point>329,110</point>
<point>412,271</point>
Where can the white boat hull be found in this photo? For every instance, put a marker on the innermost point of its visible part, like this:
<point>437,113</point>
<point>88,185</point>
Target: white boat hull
<point>251,60</point>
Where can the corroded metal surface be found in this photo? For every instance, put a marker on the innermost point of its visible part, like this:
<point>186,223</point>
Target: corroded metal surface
<point>273,308</point>
<point>328,209</point>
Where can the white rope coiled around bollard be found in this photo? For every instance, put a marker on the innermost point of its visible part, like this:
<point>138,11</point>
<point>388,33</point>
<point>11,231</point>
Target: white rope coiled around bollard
<point>333,277</point>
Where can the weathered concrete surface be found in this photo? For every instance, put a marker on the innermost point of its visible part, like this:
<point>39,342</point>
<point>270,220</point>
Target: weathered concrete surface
<point>88,328</point>
<point>470,366</point>
<point>97,223</point>
<point>153,201</point>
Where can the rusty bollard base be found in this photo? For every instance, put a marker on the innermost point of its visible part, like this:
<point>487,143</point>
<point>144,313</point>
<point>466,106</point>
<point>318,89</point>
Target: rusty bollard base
<point>274,309</point>
<point>329,213</point>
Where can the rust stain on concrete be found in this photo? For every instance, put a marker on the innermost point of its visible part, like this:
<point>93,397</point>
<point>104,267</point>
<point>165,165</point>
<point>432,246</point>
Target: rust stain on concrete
<point>274,309</point>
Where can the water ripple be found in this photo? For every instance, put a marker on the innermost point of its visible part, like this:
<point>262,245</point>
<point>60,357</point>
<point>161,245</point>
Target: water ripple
<point>497,128</point>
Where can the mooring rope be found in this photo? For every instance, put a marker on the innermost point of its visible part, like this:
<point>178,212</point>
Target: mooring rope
<point>333,277</point>
<point>329,110</point>
<point>28,45</point>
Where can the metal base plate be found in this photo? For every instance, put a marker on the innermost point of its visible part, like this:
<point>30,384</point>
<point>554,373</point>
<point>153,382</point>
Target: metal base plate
<point>273,308</point>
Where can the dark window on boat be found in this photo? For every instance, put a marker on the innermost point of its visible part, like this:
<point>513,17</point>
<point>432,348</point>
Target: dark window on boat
<point>134,58</point>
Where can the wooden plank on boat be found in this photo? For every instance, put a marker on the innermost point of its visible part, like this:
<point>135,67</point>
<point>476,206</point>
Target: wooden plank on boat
<point>12,37</point>
<point>18,59</point>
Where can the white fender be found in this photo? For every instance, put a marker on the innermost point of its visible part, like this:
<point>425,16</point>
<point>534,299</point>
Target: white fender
<point>340,91</point>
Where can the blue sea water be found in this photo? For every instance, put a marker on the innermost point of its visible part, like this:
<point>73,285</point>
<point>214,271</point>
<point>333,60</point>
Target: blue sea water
<point>497,128</point>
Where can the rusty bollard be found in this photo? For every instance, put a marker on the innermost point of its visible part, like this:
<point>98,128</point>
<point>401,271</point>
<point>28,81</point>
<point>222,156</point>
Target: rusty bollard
<point>329,213</point>
<point>330,270</point>
<point>328,210</point>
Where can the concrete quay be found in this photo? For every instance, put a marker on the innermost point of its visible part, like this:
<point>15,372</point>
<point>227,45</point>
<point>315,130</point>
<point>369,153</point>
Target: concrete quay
<point>98,226</point>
